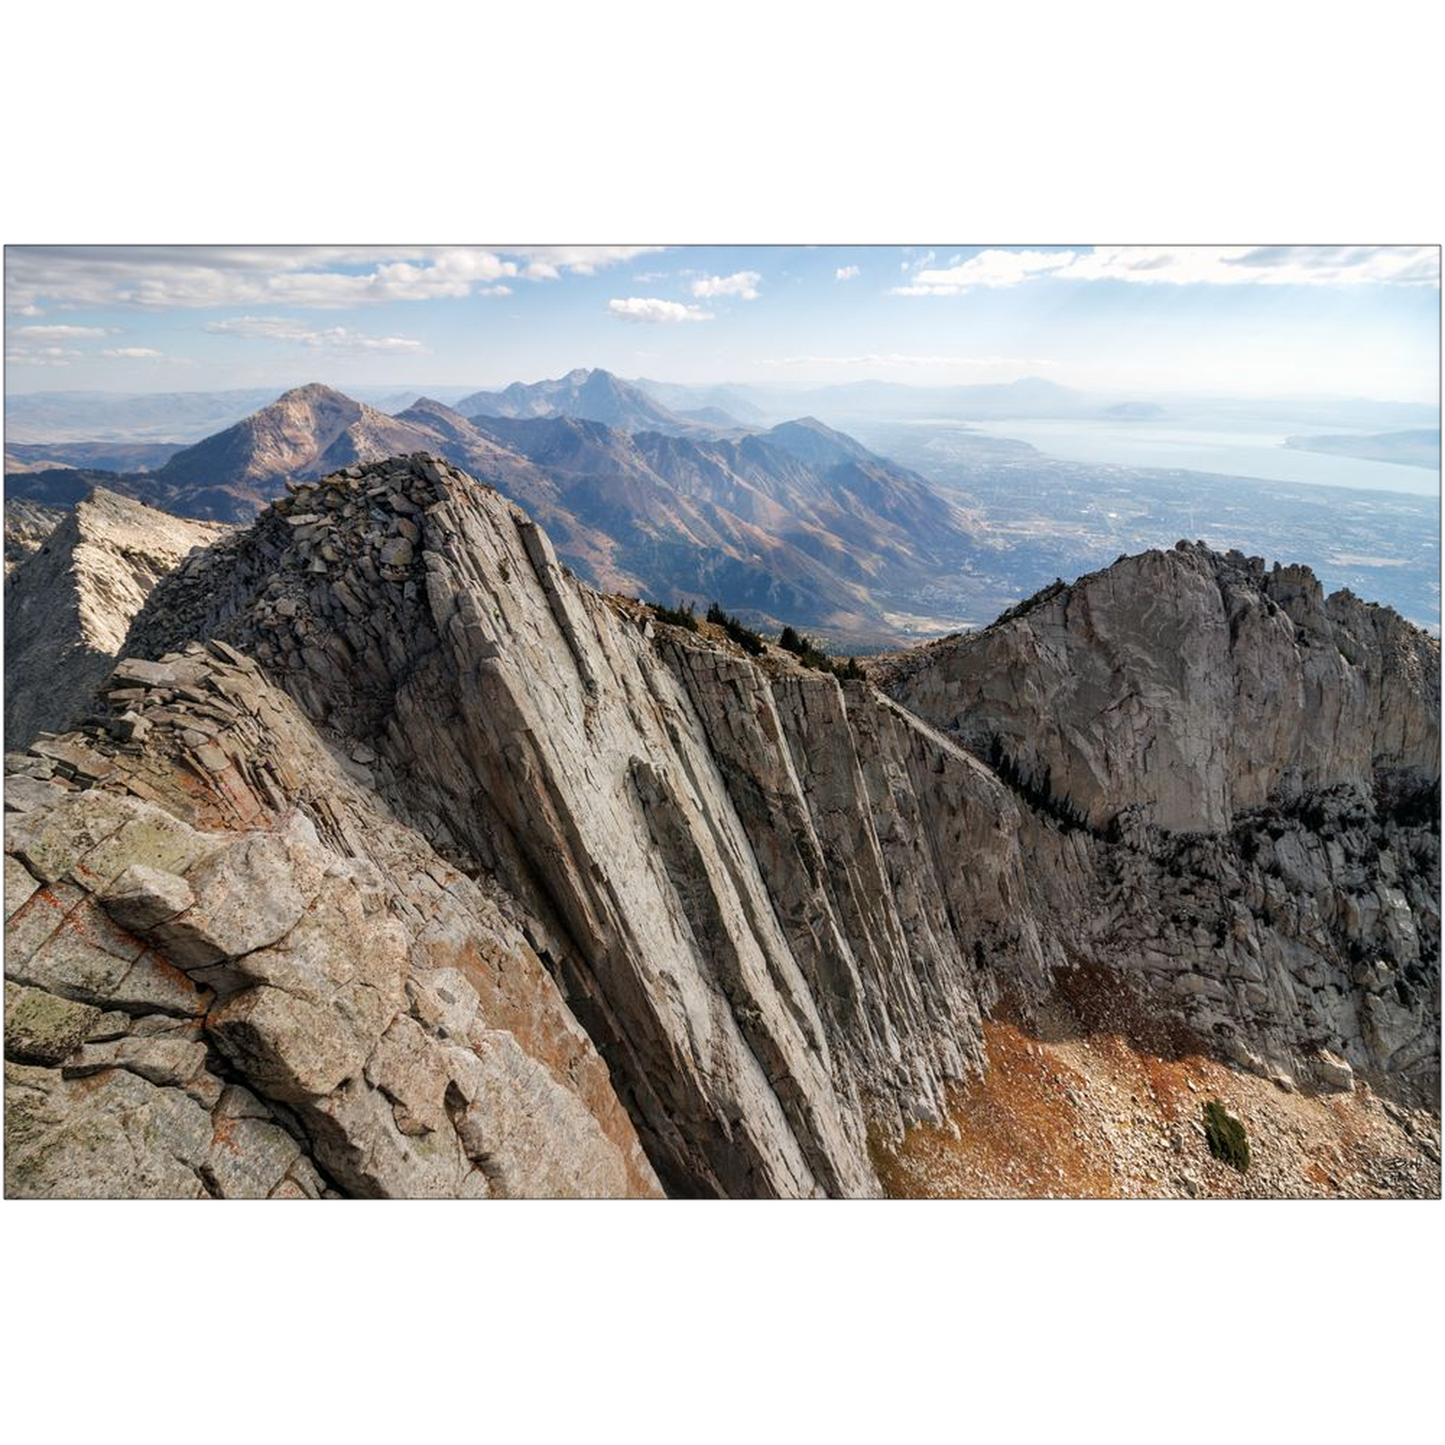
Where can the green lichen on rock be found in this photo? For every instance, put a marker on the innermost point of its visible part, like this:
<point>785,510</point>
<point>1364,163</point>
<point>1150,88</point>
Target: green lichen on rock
<point>42,1028</point>
<point>1226,1137</point>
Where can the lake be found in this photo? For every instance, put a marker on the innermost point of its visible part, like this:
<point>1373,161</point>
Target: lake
<point>1232,453</point>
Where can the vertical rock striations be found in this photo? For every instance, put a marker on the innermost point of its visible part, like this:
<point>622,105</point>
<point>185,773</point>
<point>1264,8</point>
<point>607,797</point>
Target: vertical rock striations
<point>772,932</point>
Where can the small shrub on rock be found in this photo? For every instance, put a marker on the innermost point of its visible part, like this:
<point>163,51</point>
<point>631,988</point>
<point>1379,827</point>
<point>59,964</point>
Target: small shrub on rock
<point>1226,1137</point>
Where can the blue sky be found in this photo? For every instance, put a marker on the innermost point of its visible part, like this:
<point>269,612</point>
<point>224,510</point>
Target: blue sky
<point>1356,321</point>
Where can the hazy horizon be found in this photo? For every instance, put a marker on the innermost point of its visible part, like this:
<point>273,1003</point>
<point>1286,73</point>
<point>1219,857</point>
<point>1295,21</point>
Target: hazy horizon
<point>1218,323</point>
<point>423,387</point>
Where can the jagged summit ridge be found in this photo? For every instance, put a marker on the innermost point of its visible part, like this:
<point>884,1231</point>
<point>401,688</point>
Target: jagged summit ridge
<point>587,394</point>
<point>69,604</point>
<point>491,684</point>
<point>556,659</point>
<point>1190,685</point>
<point>780,905</point>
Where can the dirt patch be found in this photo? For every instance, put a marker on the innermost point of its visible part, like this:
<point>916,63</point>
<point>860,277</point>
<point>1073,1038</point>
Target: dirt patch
<point>1095,1098</point>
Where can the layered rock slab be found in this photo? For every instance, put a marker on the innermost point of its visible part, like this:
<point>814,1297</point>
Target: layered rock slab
<point>229,973</point>
<point>70,601</point>
<point>754,940</point>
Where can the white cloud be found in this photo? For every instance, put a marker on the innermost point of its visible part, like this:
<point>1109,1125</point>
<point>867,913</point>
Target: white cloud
<point>653,308</point>
<point>331,338</point>
<point>29,354</point>
<point>1185,265</point>
<point>132,353</point>
<point>1261,265</point>
<point>847,273</point>
<point>742,284</point>
<point>988,268</point>
<point>68,332</point>
<point>318,277</point>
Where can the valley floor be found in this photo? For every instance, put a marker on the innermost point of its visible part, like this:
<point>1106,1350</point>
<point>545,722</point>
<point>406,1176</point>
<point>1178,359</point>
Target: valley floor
<point>1078,1106</point>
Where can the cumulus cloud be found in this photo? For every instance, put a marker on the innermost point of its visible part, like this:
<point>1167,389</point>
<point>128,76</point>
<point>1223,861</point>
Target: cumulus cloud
<point>847,273</point>
<point>331,338</point>
<point>317,277</point>
<point>742,284</point>
<point>1183,266</point>
<point>654,309</point>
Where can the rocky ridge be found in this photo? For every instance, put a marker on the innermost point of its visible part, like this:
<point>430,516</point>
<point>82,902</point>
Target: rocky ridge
<point>592,395</point>
<point>779,905</point>
<point>230,973</point>
<point>27,525</point>
<point>1186,687</point>
<point>70,601</point>
<point>713,893</point>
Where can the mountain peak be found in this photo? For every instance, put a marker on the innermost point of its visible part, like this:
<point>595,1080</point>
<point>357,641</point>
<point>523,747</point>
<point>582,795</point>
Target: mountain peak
<point>432,405</point>
<point>812,441</point>
<point>591,394</point>
<point>68,605</point>
<point>313,392</point>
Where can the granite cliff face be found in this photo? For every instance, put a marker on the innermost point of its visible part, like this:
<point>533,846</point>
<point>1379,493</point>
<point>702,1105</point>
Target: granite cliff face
<point>70,601</point>
<point>1252,773</point>
<point>1188,687</point>
<point>765,910</point>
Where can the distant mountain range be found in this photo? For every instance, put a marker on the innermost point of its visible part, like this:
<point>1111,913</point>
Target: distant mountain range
<point>1407,448</point>
<point>180,418</point>
<point>796,524</point>
<point>594,395</point>
<point>166,416</point>
<point>656,495</point>
<point>118,456</point>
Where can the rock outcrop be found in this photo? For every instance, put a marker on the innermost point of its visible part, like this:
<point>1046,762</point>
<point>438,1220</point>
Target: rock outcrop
<point>1250,772</point>
<point>718,906</point>
<point>69,603</point>
<point>1188,687</point>
<point>230,973</point>
<point>775,906</point>
<point>27,525</point>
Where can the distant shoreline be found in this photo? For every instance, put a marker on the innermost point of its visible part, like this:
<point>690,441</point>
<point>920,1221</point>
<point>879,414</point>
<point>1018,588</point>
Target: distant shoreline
<point>1400,448</point>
